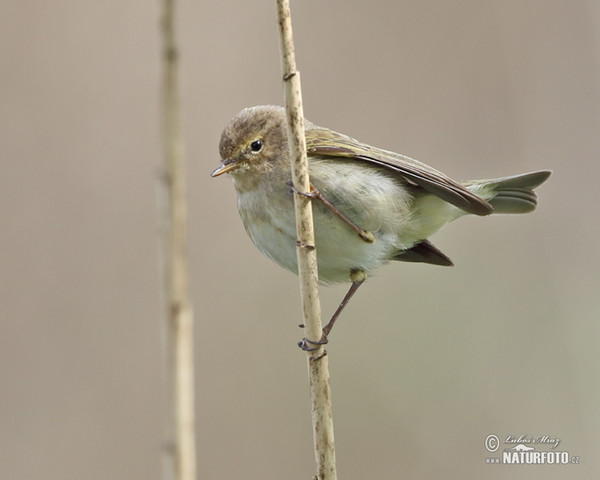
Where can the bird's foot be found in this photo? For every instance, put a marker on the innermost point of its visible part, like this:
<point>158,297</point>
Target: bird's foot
<point>311,345</point>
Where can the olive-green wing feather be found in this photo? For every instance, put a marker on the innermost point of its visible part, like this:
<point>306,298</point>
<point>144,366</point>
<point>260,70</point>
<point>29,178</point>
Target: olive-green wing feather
<point>325,142</point>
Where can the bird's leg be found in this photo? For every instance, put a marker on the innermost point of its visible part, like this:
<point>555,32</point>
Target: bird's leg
<point>314,193</point>
<point>351,291</point>
<point>358,277</point>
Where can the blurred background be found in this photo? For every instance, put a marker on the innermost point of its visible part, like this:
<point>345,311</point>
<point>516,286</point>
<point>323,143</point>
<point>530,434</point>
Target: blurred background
<point>426,362</point>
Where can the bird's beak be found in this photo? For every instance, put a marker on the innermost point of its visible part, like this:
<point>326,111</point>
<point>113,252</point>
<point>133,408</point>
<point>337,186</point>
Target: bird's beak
<point>225,167</point>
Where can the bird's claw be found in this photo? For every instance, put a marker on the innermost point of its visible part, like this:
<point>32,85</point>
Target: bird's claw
<point>311,194</point>
<point>311,345</point>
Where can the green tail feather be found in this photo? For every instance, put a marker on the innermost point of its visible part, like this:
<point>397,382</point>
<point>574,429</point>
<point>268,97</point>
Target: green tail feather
<point>511,194</point>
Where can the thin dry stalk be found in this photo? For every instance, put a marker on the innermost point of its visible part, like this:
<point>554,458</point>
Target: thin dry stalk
<point>318,366</point>
<point>181,341</point>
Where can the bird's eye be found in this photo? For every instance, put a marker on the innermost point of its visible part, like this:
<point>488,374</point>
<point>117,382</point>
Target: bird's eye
<point>256,146</point>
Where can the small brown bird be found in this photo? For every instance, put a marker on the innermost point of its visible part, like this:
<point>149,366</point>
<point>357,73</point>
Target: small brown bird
<point>372,205</point>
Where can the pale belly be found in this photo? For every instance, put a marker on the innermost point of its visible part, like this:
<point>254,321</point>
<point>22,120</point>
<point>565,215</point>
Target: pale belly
<point>339,248</point>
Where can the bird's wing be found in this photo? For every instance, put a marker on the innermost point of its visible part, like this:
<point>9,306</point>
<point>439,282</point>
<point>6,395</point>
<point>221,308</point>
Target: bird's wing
<point>425,252</point>
<point>325,142</point>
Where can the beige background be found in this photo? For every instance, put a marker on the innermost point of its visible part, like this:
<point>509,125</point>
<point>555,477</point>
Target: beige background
<point>426,361</point>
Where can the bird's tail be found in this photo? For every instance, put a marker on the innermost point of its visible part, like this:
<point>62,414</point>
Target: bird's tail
<point>510,194</point>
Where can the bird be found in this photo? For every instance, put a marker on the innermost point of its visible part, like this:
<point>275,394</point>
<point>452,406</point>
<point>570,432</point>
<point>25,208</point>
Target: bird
<point>370,205</point>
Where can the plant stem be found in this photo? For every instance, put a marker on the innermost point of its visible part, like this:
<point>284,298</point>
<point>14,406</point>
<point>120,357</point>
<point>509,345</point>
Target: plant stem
<point>318,366</point>
<point>180,317</point>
